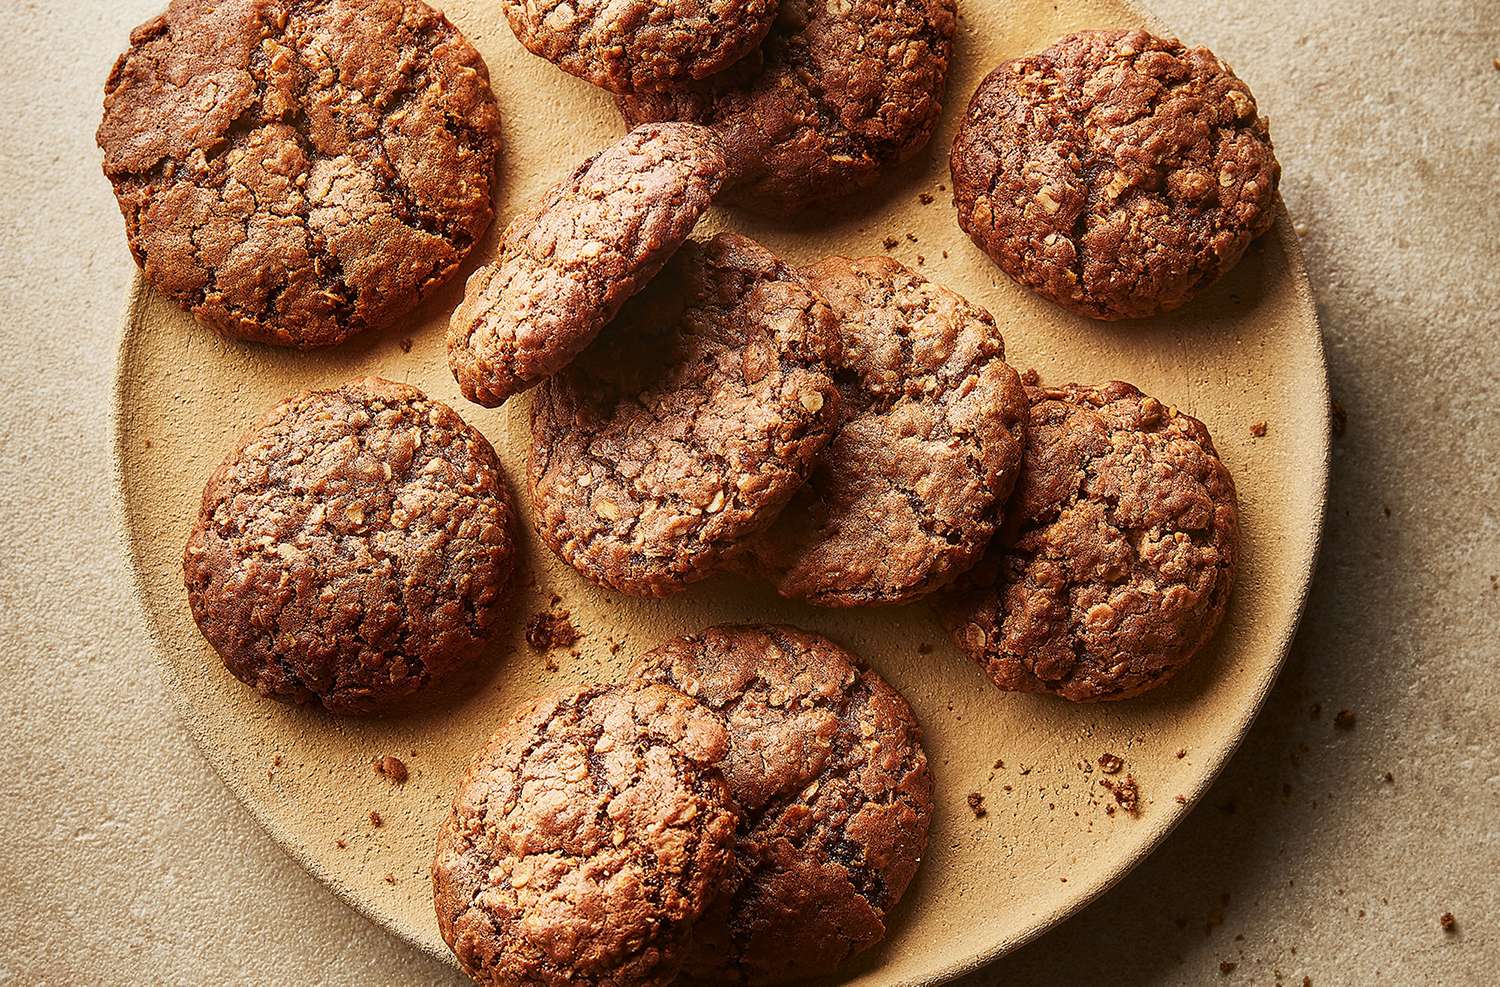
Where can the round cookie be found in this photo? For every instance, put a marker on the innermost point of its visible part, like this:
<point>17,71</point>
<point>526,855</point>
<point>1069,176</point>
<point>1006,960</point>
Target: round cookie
<point>826,765</point>
<point>906,495</point>
<point>353,547</point>
<point>1117,556</point>
<point>1116,173</point>
<point>585,841</point>
<point>840,91</point>
<point>690,422</point>
<point>569,263</point>
<point>295,173</point>
<point>640,45</point>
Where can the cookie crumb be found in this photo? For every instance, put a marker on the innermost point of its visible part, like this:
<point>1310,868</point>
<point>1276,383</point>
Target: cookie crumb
<point>393,769</point>
<point>406,344</point>
<point>925,198</point>
<point>1344,719</point>
<point>999,763</point>
<point>1258,430</point>
<point>1110,764</point>
<point>390,878</point>
<point>976,805</point>
<point>890,243</point>
<point>1307,982</point>
<point>1181,753</point>
<point>1127,793</point>
<point>912,237</point>
<point>375,819</point>
<point>341,843</point>
<point>550,629</point>
<point>1447,921</point>
<point>1226,968</point>
<point>1182,800</point>
<point>1388,778</point>
<point>921,260</point>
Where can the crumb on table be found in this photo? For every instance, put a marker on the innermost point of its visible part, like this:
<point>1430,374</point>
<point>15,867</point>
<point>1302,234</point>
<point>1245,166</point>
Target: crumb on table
<point>392,769</point>
<point>976,805</point>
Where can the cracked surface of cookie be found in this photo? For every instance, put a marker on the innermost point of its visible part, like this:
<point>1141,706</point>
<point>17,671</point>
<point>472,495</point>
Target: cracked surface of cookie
<point>1116,560</point>
<point>906,495</point>
<point>295,172</point>
<point>826,764</point>
<point>1116,173</point>
<point>586,840</point>
<point>840,91</point>
<point>640,45</point>
<point>354,546</point>
<point>689,423</point>
<point>570,262</point>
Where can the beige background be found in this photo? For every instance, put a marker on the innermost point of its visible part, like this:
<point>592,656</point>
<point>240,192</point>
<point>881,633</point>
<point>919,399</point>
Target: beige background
<point>126,861</point>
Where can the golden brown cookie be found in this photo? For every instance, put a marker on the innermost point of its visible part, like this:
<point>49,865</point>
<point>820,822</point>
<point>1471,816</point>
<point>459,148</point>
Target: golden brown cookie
<point>353,547</point>
<point>586,840</point>
<point>1117,555</point>
<point>640,45</point>
<point>294,173</point>
<point>689,423</point>
<point>1116,173</point>
<point>906,495</point>
<point>840,91</point>
<point>825,763</point>
<point>569,263</point>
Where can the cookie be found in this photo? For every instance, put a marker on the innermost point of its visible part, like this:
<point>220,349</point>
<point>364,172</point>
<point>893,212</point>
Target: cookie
<point>640,45</point>
<point>907,494</point>
<point>825,762</point>
<point>295,173</point>
<point>689,423</point>
<point>587,838</point>
<point>840,91</point>
<point>1116,173</point>
<point>569,263</point>
<point>355,546</point>
<point>1118,552</point>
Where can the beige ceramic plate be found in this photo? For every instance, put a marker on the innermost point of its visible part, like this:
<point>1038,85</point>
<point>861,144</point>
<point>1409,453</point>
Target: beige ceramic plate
<point>1249,351</point>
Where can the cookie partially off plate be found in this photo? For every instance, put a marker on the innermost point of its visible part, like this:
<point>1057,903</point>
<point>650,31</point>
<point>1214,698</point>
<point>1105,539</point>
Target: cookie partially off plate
<point>1245,351</point>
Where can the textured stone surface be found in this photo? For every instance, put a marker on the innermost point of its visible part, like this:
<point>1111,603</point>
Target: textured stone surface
<point>1388,127</point>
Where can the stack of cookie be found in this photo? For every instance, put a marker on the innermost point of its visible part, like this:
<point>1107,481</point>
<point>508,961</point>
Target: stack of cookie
<point>746,807</point>
<point>813,102</point>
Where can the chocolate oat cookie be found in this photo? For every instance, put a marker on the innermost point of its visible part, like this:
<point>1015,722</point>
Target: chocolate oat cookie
<point>569,263</point>
<point>907,494</point>
<point>1115,173</point>
<point>840,91</point>
<point>586,840</point>
<point>826,765</point>
<point>354,546</point>
<point>293,173</point>
<point>1116,559</point>
<point>689,423</point>
<point>640,45</point>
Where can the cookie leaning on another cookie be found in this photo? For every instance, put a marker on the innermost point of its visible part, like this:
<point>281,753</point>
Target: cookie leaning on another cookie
<point>689,423</point>
<point>840,91</point>
<point>640,45</point>
<point>906,495</point>
<point>1116,173</point>
<point>1117,556</point>
<point>568,263</point>
<point>355,546</point>
<point>295,173</point>
<point>586,840</point>
<point>825,763</point>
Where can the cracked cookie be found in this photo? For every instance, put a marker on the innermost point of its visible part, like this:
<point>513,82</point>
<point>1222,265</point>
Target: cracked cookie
<point>1117,555</point>
<point>640,45</point>
<point>907,493</point>
<point>689,423</point>
<point>293,173</point>
<point>825,763</point>
<point>1116,173</point>
<point>569,263</point>
<point>840,91</point>
<point>354,546</point>
<point>586,840</point>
